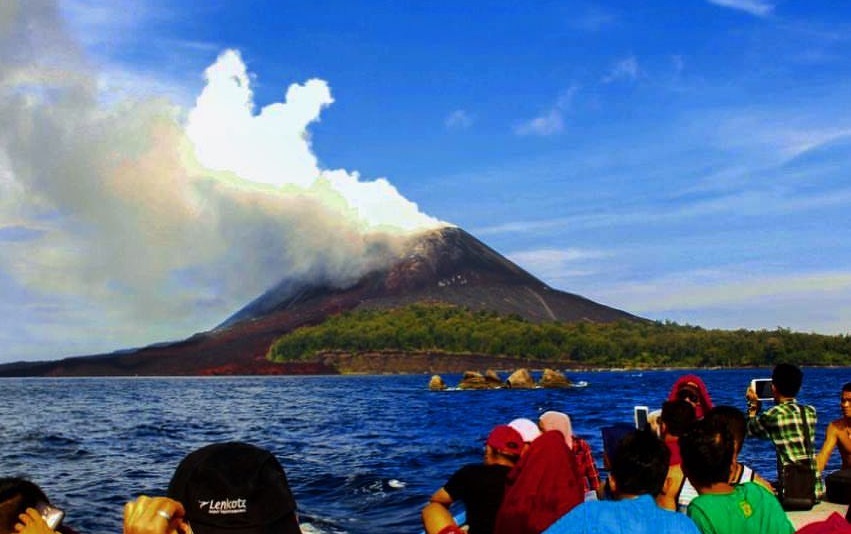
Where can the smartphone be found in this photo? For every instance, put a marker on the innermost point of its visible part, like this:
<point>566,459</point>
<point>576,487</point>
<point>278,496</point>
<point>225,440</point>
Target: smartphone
<point>51,515</point>
<point>640,416</point>
<point>762,387</point>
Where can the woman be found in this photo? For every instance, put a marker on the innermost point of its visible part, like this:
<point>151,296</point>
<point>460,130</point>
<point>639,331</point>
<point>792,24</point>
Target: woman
<point>690,388</point>
<point>543,486</point>
<point>581,450</point>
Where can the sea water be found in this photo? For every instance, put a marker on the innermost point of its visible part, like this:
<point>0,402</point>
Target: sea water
<point>362,453</point>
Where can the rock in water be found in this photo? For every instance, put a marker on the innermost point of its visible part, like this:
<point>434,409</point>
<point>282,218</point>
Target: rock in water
<point>475,380</point>
<point>493,378</point>
<point>436,383</point>
<point>520,379</point>
<point>554,379</point>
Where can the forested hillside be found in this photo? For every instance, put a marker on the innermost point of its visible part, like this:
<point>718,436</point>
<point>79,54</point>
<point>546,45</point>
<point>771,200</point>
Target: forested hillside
<point>626,343</point>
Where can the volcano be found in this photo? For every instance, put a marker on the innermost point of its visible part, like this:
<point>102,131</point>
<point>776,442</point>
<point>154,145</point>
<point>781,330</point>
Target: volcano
<point>446,265</point>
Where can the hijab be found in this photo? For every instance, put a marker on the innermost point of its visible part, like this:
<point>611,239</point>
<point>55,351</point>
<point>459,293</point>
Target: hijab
<point>558,421</point>
<point>696,385</point>
<point>542,487</point>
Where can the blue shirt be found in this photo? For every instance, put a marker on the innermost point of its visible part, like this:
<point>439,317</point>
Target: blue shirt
<point>627,516</point>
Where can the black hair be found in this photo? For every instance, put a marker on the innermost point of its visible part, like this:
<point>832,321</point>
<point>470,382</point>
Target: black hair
<point>847,386</point>
<point>731,418</point>
<point>707,453</point>
<point>787,379</point>
<point>640,464</point>
<point>677,416</point>
<point>16,495</point>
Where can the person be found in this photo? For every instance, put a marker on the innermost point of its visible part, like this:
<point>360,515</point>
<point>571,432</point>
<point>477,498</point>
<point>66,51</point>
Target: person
<point>25,509</point>
<point>543,486</point>
<point>690,388</point>
<point>838,433</point>
<point>234,487</point>
<point>721,507</point>
<point>783,423</point>
<point>676,417</point>
<point>479,486</point>
<point>733,419</point>
<point>560,421</point>
<point>527,428</point>
<point>639,470</point>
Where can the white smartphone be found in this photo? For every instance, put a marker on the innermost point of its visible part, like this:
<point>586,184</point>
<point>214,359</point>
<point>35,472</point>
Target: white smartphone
<point>640,417</point>
<point>762,387</point>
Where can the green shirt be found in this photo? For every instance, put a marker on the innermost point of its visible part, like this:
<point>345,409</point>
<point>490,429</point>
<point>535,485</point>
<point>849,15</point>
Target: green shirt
<point>784,426</point>
<point>748,509</point>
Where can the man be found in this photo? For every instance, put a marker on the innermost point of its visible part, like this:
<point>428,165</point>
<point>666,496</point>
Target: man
<point>676,417</point>
<point>479,486</point>
<point>721,507</point>
<point>838,433</point>
<point>225,487</point>
<point>639,468</point>
<point>783,424</point>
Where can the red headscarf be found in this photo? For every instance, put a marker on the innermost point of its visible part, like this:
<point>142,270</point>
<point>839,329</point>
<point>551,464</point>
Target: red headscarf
<point>543,486</point>
<point>694,383</point>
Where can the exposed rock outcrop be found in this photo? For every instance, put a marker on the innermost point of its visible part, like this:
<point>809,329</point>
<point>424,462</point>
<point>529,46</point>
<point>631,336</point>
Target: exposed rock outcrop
<point>476,380</point>
<point>436,383</point>
<point>554,379</point>
<point>520,379</point>
<point>492,377</point>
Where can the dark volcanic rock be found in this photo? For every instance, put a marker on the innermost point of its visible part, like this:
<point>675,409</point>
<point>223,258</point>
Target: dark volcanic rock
<point>446,266</point>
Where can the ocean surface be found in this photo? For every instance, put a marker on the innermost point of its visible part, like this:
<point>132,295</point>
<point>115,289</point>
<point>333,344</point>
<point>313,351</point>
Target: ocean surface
<point>362,453</point>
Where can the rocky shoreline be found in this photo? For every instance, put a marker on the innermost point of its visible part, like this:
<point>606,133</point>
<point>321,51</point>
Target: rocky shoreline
<point>519,379</point>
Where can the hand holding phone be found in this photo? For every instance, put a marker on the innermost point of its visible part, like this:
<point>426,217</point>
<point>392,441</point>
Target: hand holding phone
<point>33,522</point>
<point>640,417</point>
<point>762,388</point>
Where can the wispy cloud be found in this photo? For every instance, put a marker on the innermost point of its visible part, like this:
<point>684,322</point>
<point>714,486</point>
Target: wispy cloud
<point>551,264</point>
<point>593,19</point>
<point>758,8</point>
<point>626,69</point>
<point>458,120</point>
<point>551,121</point>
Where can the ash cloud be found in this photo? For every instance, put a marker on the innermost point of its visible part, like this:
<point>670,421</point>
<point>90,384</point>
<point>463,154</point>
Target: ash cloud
<point>142,222</point>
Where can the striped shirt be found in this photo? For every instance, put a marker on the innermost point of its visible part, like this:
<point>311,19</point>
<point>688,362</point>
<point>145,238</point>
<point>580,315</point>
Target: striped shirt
<point>784,426</point>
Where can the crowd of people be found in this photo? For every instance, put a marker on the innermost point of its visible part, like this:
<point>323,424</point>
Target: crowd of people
<point>680,474</point>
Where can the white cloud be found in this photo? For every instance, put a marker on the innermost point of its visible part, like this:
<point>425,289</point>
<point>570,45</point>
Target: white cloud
<point>550,122</point>
<point>757,8</point>
<point>554,265</point>
<point>458,119</point>
<point>626,69</point>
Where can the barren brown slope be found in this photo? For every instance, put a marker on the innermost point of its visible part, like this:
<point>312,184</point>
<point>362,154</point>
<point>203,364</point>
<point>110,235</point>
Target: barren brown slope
<point>447,265</point>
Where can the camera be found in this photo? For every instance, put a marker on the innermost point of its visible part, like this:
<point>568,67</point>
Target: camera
<point>762,387</point>
<point>640,416</point>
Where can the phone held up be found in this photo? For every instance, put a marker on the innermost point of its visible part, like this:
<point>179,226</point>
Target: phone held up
<point>51,515</point>
<point>640,416</point>
<point>762,387</point>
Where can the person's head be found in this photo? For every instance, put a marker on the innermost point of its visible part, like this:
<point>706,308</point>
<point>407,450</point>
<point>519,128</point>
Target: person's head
<point>707,452</point>
<point>676,417</point>
<point>504,445</point>
<point>639,464</point>
<point>16,495</point>
<point>234,488</point>
<point>733,419</point>
<point>527,428</point>
<point>786,379</point>
<point>845,400</point>
<point>557,421</point>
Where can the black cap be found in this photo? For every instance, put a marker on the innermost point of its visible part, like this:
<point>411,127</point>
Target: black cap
<point>234,488</point>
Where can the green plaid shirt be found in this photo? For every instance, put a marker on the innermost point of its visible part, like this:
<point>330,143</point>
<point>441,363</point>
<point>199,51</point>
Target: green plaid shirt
<point>784,426</point>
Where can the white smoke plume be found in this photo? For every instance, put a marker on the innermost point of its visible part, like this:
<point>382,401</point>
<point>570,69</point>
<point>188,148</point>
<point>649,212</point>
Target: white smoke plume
<point>140,219</point>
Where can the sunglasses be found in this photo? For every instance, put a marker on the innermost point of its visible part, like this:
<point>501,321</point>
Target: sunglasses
<point>688,396</point>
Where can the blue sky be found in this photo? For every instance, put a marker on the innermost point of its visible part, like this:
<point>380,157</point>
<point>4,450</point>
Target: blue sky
<point>683,161</point>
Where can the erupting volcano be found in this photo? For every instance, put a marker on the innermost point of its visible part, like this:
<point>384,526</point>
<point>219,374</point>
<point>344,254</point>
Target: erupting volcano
<point>445,265</point>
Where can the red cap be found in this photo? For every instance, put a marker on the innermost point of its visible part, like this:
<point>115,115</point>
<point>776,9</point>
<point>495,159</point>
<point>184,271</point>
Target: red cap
<point>505,440</point>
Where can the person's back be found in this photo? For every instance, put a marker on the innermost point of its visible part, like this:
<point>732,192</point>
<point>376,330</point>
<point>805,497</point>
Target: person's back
<point>580,448</point>
<point>479,486</point>
<point>675,418</point>
<point>638,470</point>
<point>542,487</point>
<point>783,424</point>
<point>707,450</point>
<point>734,421</point>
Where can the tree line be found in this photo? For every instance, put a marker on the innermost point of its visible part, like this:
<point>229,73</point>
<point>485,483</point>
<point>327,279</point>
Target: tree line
<point>457,330</point>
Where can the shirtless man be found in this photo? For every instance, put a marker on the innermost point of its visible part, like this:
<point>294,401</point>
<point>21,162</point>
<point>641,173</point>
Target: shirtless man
<point>838,433</point>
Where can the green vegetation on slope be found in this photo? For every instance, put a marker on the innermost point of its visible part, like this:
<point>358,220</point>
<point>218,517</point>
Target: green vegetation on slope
<point>450,329</point>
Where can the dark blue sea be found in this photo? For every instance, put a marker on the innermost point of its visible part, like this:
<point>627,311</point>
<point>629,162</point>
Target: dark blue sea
<point>362,453</point>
